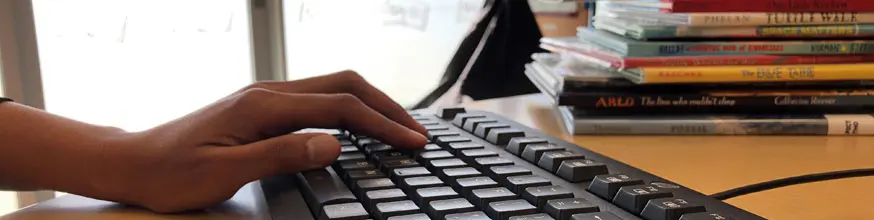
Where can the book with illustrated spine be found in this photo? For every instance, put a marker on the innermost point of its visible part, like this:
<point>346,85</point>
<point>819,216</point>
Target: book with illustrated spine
<point>760,73</point>
<point>681,6</point>
<point>588,52</point>
<point>636,48</point>
<point>642,32</point>
<point>649,16</point>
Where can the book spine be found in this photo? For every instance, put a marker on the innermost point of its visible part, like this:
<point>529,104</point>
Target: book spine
<point>759,19</point>
<point>770,6</point>
<point>844,30</point>
<point>679,102</point>
<point>743,60</point>
<point>762,73</point>
<point>829,125</point>
<point>748,48</point>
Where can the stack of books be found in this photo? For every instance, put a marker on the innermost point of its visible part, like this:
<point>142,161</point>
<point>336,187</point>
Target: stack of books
<point>715,67</point>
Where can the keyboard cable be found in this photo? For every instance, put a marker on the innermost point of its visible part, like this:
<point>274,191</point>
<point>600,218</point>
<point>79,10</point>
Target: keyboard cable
<point>789,181</point>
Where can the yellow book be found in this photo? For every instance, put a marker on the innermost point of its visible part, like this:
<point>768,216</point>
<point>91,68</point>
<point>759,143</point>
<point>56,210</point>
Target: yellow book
<point>756,73</point>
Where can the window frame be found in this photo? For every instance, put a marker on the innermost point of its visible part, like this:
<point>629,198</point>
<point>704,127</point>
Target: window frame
<point>22,76</point>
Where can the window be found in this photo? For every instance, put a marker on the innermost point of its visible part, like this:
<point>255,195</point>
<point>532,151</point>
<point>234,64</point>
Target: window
<point>401,46</point>
<point>135,64</point>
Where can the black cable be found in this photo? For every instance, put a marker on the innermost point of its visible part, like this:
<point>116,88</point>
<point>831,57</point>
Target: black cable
<point>795,180</point>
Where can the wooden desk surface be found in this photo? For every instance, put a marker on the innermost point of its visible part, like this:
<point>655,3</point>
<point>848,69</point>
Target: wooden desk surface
<point>708,164</point>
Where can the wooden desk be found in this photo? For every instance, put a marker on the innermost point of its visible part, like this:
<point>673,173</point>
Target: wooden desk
<point>707,164</point>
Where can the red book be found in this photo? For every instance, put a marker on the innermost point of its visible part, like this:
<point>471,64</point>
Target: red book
<point>687,6</point>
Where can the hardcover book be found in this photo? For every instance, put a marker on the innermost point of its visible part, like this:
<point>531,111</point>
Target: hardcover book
<point>644,32</point>
<point>588,52</point>
<point>637,48</point>
<point>649,16</point>
<point>679,6</point>
<point>578,123</point>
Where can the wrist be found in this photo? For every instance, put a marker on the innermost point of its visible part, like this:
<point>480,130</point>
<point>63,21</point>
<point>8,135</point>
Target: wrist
<point>100,166</point>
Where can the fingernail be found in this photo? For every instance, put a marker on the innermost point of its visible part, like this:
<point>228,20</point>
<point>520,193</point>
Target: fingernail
<point>322,149</point>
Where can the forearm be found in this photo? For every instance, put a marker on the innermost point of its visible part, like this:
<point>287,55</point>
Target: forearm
<point>41,151</point>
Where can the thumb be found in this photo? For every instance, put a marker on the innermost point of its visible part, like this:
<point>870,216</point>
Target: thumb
<point>285,154</point>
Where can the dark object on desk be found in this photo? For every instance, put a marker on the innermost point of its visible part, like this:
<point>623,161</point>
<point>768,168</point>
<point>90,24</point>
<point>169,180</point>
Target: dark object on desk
<point>491,60</point>
<point>505,172</point>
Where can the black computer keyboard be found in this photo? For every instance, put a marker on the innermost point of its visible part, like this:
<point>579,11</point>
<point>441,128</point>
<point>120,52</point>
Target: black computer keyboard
<point>483,166</point>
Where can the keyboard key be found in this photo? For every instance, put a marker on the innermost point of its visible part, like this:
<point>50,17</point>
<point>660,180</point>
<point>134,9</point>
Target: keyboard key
<point>350,166</point>
<point>458,147</point>
<point>460,119</point>
<point>362,142</point>
<point>385,156</point>
<point>373,148</point>
<point>518,183</point>
<point>350,157</point>
<point>566,207</point>
<point>540,194</point>
<point>468,216</point>
<point>670,208</point>
<point>471,124</point>
<point>606,186</point>
<point>344,142</point>
<point>436,128</point>
<point>356,175</point>
<point>466,185</point>
<point>362,186</point>
<point>450,113</point>
<point>323,187</point>
<point>595,216</point>
<point>477,153</point>
<point>533,153</point>
<point>440,208</point>
<point>502,136</point>
<point>517,145</point>
<point>483,129</point>
<point>388,166</point>
<point>420,216</point>
<point>576,171</point>
<point>388,209</point>
<point>343,211</point>
<point>446,164</point>
<point>483,163</point>
<point>634,198</point>
<point>704,216</point>
<point>456,173</point>
<point>426,195</point>
<point>428,122</point>
<point>425,157</point>
<point>502,210</point>
<point>540,216</point>
<point>482,197</point>
<point>428,147</point>
<point>433,135</point>
<point>500,173</point>
<point>409,172</point>
<point>348,149</point>
<point>371,198</point>
<point>446,140</point>
<point>420,117</point>
<point>552,160</point>
<point>414,183</point>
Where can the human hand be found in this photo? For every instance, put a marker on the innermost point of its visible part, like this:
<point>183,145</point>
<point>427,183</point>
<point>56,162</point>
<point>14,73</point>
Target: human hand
<point>204,158</point>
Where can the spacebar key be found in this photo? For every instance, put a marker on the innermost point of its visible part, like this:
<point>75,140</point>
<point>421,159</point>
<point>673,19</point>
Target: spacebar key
<point>323,187</point>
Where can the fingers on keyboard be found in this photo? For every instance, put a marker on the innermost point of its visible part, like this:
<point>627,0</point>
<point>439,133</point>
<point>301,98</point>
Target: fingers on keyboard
<point>477,167</point>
